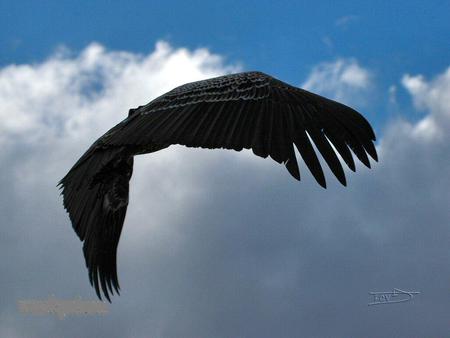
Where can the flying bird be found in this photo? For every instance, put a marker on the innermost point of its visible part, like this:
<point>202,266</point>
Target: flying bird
<point>250,110</point>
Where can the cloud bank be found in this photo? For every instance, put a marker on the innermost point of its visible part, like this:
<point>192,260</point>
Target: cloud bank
<point>220,243</point>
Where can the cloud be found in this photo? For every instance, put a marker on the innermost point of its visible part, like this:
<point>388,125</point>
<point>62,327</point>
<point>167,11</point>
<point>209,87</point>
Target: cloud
<point>68,96</point>
<point>392,91</point>
<point>342,80</point>
<point>432,96</point>
<point>220,243</point>
<point>344,21</point>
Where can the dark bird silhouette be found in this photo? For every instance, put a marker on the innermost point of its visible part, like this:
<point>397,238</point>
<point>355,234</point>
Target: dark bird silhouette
<point>249,110</point>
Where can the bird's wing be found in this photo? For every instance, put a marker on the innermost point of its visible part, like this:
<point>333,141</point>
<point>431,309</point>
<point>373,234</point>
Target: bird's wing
<point>95,193</point>
<point>253,111</point>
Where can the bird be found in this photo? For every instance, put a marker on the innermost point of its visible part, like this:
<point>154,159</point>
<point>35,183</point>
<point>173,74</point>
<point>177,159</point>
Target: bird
<point>247,110</point>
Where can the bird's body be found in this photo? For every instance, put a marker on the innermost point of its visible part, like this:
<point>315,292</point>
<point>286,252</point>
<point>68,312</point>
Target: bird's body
<point>248,110</point>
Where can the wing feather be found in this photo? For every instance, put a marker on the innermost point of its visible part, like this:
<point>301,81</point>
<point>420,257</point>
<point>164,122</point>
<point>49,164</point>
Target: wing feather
<point>209,137</point>
<point>319,139</point>
<point>259,144</point>
<point>234,139</point>
<point>305,148</point>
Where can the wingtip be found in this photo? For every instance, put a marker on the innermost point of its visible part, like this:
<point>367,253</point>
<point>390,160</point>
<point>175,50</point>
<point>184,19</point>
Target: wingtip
<point>107,296</point>
<point>323,183</point>
<point>292,167</point>
<point>319,177</point>
<point>343,181</point>
<point>374,156</point>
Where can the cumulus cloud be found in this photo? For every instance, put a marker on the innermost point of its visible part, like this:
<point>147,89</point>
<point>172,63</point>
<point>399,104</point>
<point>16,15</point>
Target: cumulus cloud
<point>220,243</point>
<point>433,96</point>
<point>74,97</point>
<point>343,80</point>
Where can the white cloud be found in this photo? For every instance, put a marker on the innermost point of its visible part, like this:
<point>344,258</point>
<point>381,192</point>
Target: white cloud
<point>80,97</point>
<point>434,97</point>
<point>343,80</point>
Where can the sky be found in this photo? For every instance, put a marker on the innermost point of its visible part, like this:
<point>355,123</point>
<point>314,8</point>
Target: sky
<point>223,243</point>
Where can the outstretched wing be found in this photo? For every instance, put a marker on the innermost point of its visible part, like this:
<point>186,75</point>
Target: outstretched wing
<point>254,111</point>
<point>95,193</point>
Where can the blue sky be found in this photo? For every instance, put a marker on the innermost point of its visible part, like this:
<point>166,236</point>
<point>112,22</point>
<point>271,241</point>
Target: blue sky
<point>282,38</point>
<point>223,243</point>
